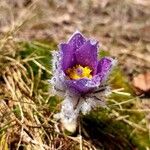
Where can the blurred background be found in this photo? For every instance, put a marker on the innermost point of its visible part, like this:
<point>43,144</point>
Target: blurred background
<point>121,26</point>
<point>29,29</point>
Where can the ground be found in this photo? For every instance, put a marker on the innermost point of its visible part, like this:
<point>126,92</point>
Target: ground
<point>30,29</point>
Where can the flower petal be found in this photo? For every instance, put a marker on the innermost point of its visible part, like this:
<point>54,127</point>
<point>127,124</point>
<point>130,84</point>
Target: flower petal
<point>58,83</point>
<point>94,82</point>
<point>83,85</point>
<point>77,40</point>
<point>68,59</point>
<point>77,86</point>
<point>86,55</point>
<point>104,67</point>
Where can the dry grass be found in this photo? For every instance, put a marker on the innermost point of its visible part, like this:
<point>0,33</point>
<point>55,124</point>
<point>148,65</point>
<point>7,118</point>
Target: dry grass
<point>26,114</point>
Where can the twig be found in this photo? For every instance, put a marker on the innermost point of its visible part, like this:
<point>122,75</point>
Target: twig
<point>80,137</point>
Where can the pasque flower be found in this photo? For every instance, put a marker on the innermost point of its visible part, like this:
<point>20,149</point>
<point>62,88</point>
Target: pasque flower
<point>79,77</point>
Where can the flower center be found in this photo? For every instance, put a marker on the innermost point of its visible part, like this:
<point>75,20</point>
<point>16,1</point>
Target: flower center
<point>78,72</point>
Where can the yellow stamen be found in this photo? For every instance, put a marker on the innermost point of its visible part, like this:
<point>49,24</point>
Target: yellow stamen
<point>79,72</point>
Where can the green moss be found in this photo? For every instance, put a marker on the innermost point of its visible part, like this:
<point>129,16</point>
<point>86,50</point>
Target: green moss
<point>38,49</point>
<point>118,80</point>
<point>104,53</point>
<point>53,102</point>
<point>105,132</point>
<point>17,111</point>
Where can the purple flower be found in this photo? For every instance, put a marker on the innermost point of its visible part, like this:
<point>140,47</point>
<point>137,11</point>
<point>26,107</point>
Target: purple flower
<point>79,76</point>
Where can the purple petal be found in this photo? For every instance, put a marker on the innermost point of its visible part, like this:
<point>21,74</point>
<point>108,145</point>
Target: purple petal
<point>77,85</point>
<point>94,82</point>
<point>86,55</point>
<point>83,86</point>
<point>77,40</point>
<point>104,67</point>
<point>68,59</point>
